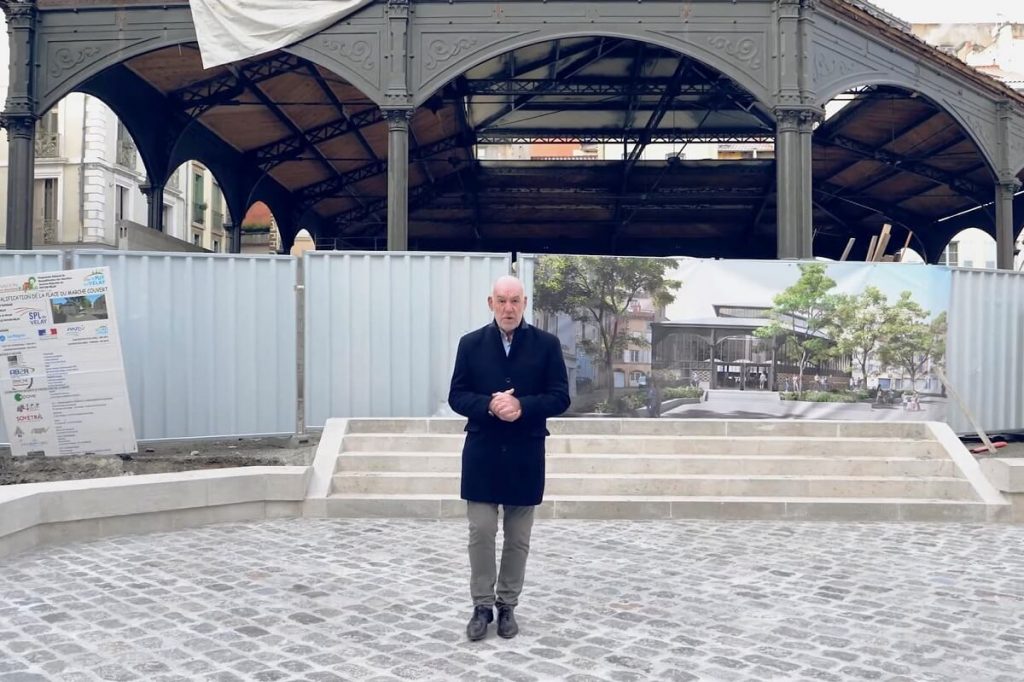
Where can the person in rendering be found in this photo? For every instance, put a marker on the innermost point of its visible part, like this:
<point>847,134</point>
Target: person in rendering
<point>509,378</point>
<point>653,398</point>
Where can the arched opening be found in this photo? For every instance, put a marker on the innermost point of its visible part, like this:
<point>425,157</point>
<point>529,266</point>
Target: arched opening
<point>888,155</point>
<point>591,145</point>
<point>275,128</point>
<point>909,255</point>
<point>303,243</point>
<point>970,248</point>
<point>88,177</point>
<point>195,210</point>
<point>260,233</point>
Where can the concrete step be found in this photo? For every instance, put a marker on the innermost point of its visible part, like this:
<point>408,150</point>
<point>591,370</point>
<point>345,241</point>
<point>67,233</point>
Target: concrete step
<point>607,463</point>
<point>720,508</point>
<point>932,487</point>
<point>663,445</point>
<point>670,427</point>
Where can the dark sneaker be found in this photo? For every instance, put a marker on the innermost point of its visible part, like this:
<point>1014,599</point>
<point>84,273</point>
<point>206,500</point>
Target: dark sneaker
<point>477,626</point>
<point>507,626</point>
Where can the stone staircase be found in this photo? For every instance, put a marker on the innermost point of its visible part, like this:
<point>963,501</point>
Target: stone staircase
<point>658,469</point>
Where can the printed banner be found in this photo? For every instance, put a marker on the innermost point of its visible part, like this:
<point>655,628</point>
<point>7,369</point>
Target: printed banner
<point>64,388</point>
<point>657,337</point>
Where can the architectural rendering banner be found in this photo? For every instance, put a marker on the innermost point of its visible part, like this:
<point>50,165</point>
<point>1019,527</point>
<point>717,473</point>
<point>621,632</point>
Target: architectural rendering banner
<point>655,337</point>
<point>64,389</point>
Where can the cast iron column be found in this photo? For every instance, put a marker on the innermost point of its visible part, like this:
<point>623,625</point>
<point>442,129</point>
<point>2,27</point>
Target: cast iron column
<point>793,177</point>
<point>398,178</point>
<point>19,119</point>
<point>1005,227</point>
<point>154,192</point>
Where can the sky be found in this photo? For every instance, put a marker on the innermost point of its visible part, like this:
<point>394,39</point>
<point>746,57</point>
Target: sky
<point>706,283</point>
<point>974,11</point>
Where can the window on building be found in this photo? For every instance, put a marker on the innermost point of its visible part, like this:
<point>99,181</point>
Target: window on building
<point>45,210</point>
<point>50,199</point>
<point>951,255</point>
<point>216,246</point>
<point>120,203</point>
<point>198,199</point>
<point>168,219</point>
<point>126,152</point>
<point>217,208</point>
<point>47,135</point>
<point>49,123</point>
<point>634,356</point>
<point>968,263</point>
<point>196,238</point>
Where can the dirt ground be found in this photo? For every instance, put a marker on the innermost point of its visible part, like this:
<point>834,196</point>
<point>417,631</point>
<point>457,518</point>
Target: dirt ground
<point>155,458</point>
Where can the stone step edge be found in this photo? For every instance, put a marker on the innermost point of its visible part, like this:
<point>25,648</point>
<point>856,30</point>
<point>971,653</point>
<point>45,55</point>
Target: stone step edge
<point>618,499</point>
<point>661,477</point>
<point>389,454</point>
<point>659,436</point>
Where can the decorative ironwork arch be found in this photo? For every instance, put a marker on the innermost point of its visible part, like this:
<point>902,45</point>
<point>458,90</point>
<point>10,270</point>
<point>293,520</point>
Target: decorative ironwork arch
<point>741,59</point>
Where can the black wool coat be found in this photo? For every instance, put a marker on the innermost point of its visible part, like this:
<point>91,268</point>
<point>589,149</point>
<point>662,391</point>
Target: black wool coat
<point>503,462</point>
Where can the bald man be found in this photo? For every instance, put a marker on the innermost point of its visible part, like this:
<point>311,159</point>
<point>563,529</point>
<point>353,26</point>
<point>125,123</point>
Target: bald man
<point>509,378</point>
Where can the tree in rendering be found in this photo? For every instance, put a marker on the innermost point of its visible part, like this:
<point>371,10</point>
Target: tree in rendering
<point>599,291</point>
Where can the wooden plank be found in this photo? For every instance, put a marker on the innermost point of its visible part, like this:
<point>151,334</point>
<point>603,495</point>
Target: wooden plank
<point>963,406</point>
<point>849,247</point>
<point>883,241</point>
<point>906,245</point>
<point>871,248</point>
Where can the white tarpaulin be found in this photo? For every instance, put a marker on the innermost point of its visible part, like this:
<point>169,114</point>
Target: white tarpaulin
<point>229,30</point>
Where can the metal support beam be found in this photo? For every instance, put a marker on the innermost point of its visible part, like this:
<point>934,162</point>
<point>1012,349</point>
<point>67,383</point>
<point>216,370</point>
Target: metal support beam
<point>311,194</point>
<point>902,163</point>
<point>19,118</point>
<point>793,179</point>
<point>615,135</point>
<point>1005,228</point>
<point>896,136</point>
<point>590,87</point>
<point>829,194</point>
<point>598,52</point>
<point>154,193</point>
<point>398,178</point>
<point>222,90</point>
<point>343,112</point>
<point>271,155</point>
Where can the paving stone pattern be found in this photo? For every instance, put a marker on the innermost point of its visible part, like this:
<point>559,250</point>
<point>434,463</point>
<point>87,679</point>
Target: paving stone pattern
<point>322,600</point>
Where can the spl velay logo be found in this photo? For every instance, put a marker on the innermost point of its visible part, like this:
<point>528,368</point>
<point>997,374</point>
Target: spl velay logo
<point>96,278</point>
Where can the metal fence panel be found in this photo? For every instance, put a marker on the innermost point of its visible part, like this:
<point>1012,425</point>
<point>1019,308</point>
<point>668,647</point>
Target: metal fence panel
<point>29,262</point>
<point>209,341</point>
<point>381,329</point>
<point>986,333</point>
<point>26,263</point>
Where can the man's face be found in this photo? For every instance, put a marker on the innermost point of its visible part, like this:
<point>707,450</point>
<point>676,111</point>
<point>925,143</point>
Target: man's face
<point>507,302</point>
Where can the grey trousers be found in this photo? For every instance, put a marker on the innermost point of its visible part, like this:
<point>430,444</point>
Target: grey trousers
<point>483,528</point>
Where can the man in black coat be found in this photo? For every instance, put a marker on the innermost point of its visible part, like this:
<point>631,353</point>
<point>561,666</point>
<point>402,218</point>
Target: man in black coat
<point>509,378</point>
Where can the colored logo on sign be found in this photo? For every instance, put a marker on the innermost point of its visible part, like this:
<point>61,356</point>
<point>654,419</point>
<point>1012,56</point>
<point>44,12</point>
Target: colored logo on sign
<point>29,285</point>
<point>95,279</point>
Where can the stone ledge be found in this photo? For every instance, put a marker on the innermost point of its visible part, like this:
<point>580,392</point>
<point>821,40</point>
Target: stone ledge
<point>1006,474</point>
<point>67,511</point>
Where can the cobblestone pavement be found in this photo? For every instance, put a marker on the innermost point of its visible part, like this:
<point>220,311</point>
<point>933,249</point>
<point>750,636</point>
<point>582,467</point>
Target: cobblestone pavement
<point>333,599</point>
